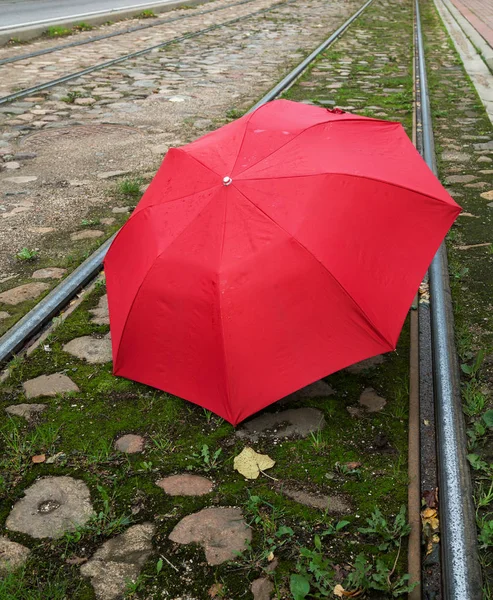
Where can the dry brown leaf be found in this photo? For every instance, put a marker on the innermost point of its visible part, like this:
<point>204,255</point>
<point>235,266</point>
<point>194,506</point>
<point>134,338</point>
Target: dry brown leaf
<point>39,458</point>
<point>430,497</point>
<point>353,465</point>
<point>215,590</point>
<point>342,593</point>
<point>249,463</point>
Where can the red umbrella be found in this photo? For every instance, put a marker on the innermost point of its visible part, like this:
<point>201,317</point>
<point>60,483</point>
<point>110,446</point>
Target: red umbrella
<point>272,252</point>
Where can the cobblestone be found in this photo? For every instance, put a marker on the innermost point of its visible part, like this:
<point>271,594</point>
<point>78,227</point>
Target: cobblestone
<point>212,73</point>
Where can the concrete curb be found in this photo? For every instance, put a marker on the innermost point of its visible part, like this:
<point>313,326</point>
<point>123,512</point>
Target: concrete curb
<point>30,32</point>
<point>473,62</point>
<point>476,38</point>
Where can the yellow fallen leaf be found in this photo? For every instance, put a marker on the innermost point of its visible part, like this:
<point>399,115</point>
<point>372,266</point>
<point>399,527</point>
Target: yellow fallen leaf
<point>270,556</point>
<point>429,517</point>
<point>339,591</point>
<point>249,463</point>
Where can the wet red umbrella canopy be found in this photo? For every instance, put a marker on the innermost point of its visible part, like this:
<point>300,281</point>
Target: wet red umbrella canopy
<point>270,253</point>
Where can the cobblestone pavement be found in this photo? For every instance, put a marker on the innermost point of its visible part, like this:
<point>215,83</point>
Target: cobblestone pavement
<point>60,156</point>
<point>40,69</point>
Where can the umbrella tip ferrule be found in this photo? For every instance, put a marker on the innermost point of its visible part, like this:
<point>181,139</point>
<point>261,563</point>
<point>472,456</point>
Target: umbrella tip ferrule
<point>227,180</point>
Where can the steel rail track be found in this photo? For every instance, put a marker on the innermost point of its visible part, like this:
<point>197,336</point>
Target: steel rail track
<point>461,572</point>
<point>91,40</point>
<point>27,327</point>
<point>115,61</point>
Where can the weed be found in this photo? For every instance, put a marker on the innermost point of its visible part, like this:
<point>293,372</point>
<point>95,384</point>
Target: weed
<point>146,14</point>
<point>104,523</point>
<point>318,442</point>
<point>162,443</point>
<point>130,188</point>
<point>146,466</point>
<point>343,469</point>
<point>27,255</point>
<point>22,584</point>
<point>485,526</point>
<point>473,369</point>
<point>82,27</point>
<point>99,453</point>
<point>71,96</point>
<point>390,534</point>
<point>264,517</point>
<point>234,113</point>
<point>316,572</point>
<point>483,498</point>
<point>15,42</point>
<point>474,399</point>
<point>205,460</point>
<point>477,463</point>
<point>57,31</point>
<point>19,446</point>
<point>90,222</point>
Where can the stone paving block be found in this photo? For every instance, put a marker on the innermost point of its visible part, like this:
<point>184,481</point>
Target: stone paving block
<point>294,422</point>
<point>130,444</point>
<point>27,291</point>
<point>49,273</point>
<point>186,485</point>
<point>331,504</point>
<point>94,350</point>
<point>100,313</point>
<point>12,555</point>
<point>50,507</point>
<point>221,531</point>
<point>49,385</point>
<point>86,234</point>
<point>119,561</point>
<point>262,589</point>
<point>370,400</point>
<point>28,411</point>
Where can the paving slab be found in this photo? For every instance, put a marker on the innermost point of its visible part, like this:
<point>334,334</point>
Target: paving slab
<point>12,555</point>
<point>186,485</point>
<point>130,443</point>
<point>49,385</point>
<point>49,273</point>
<point>50,507</point>
<point>119,561</point>
<point>101,314</point>
<point>94,350</point>
<point>221,531</point>
<point>294,422</point>
<point>262,589</point>
<point>27,411</point>
<point>21,293</point>
<point>331,504</point>
<point>371,401</point>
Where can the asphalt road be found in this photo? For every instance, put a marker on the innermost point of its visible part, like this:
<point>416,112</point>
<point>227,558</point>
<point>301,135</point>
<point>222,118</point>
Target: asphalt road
<point>14,13</point>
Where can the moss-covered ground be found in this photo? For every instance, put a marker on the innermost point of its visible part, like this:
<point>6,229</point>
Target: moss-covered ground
<point>372,67</point>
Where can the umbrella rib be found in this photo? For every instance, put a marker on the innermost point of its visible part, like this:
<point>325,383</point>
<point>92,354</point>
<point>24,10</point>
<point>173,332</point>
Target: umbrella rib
<point>244,136</point>
<point>147,274</point>
<point>374,329</point>
<point>331,121</point>
<point>397,185</point>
